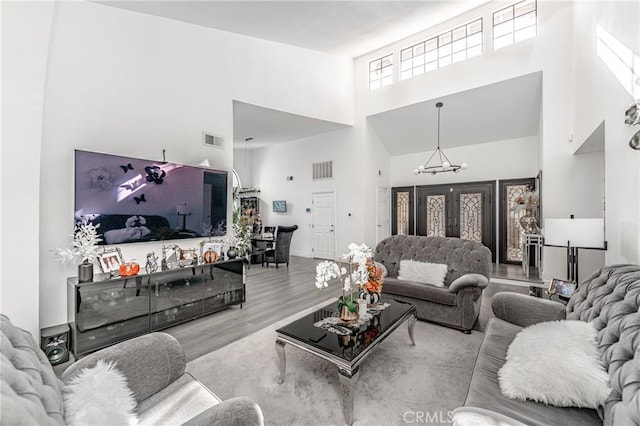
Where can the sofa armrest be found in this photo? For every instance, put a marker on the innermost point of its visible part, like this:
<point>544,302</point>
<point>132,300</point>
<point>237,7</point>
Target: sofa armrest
<point>472,416</point>
<point>149,363</point>
<point>523,310</point>
<point>468,280</point>
<point>240,411</point>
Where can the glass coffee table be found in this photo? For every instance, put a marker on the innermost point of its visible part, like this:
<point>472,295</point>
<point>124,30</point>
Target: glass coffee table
<point>344,345</point>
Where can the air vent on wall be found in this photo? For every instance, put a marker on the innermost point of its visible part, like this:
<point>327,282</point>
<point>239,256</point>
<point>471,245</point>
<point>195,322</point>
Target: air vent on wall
<point>323,170</point>
<point>212,140</point>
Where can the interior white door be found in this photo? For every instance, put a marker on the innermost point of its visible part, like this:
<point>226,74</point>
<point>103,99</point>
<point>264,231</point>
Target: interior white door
<point>383,214</point>
<point>323,222</point>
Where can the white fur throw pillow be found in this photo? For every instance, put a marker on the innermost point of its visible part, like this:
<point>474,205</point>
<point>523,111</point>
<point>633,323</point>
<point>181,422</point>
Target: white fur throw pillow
<point>99,396</point>
<point>422,272</point>
<point>556,363</point>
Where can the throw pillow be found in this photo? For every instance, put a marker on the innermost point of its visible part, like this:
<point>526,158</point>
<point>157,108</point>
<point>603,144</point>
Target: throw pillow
<point>381,267</point>
<point>423,272</point>
<point>555,363</point>
<point>99,396</point>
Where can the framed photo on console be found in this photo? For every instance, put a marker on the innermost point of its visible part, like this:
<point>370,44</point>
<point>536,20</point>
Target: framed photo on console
<point>110,260</point>
<point>561,287</point>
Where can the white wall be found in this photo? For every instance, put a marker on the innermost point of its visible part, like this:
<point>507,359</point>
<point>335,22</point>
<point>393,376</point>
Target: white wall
<point>513,158</point>
<point>272,165</point>
<point>131,84</point>
<point>25,44</point>
<point>599,96</point>
<point>242,165</point>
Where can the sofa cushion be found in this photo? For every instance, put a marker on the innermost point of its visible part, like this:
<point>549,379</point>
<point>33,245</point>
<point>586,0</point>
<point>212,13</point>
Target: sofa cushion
<point>484,391</point>
<point>556,363</point>
<point>182,400</point>
<point>31,393</point>
<point>419,291</point>
<point>422,272</point>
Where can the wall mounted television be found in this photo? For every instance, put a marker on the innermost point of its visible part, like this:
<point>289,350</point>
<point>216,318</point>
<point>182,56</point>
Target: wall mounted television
<point>137,200</point>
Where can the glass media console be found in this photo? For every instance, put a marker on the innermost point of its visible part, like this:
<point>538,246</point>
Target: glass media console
<point>111,309</point>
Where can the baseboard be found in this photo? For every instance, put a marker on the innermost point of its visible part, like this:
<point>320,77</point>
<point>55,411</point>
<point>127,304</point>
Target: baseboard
<point>515,282</point>
<point>307,254</point>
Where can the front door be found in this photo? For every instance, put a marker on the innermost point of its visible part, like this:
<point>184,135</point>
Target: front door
<point>510,230</point>
<point>323,224</point>
<point>458,210</point>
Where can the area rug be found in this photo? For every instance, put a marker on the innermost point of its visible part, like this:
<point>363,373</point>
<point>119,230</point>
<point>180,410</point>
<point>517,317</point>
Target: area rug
<point>398,383</point>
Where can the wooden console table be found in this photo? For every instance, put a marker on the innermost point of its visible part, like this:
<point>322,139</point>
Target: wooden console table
<point>111,309</point>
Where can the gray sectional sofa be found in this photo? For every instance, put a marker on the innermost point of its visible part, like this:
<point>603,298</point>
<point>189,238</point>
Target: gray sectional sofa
<point>153,364</point>
<point>457,304</point>
<point>610,299</point>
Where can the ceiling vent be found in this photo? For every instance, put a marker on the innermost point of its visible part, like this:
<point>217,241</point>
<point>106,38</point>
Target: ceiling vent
<point>211,140</point>
<point>323,170</point>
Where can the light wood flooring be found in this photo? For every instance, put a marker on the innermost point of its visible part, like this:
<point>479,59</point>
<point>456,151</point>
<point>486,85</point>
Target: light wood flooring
<point>272,294</point>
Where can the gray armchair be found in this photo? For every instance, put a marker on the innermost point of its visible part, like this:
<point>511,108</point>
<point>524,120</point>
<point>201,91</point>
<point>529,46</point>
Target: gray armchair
<point>280,253</point>
<point>457,304</point>
<point>153,364</point>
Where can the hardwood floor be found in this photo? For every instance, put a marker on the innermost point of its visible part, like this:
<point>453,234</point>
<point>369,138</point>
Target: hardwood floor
<point>272,294</point>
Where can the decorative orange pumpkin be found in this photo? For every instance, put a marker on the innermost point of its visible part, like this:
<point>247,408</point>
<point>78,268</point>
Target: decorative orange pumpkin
<point>128,269</point>
<point>210,256</point>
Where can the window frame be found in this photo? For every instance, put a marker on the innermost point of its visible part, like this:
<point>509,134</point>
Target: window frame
<point>513,32</point>
<point>444,51</point>
<point>378,71</point>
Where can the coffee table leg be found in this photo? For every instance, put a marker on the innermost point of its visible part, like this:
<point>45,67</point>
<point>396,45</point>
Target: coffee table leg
<point>282,362</point>
<point>412,323</point>
<point>348,383</point>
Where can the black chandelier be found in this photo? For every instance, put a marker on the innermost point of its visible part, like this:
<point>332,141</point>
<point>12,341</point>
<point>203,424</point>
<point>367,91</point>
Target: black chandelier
<point>445,163</point>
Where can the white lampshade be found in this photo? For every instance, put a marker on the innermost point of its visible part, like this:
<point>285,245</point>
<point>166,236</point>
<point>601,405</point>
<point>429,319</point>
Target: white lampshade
<point>586,233</point>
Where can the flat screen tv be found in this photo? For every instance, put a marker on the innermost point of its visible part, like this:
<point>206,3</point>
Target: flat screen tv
<point>137,200</point>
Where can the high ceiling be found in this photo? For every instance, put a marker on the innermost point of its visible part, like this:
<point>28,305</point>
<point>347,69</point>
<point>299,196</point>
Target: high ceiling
<point>346,28</point>
<point>506,110</point>
<point>500,111</point>
<point>266,126</point>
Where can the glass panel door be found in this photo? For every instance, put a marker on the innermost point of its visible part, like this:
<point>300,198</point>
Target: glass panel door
<point>458,210</point>
<point>510,229</point>
<point>402,222</point>
<point>471,216</point>
<point>436,215</point>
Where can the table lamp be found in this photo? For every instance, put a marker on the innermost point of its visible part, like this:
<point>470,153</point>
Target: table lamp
<point>574,234</point>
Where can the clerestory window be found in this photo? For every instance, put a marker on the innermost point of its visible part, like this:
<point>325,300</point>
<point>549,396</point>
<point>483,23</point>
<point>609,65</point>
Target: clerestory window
<point>514,23</point>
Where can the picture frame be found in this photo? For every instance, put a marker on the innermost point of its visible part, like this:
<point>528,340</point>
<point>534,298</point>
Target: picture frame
<point>213,246</point>
<point>280,206</point>
<point>170,257</point>
<point>110,260</point>
<point>152,263</point>
<point>562,288</point>
<point>188,257</point>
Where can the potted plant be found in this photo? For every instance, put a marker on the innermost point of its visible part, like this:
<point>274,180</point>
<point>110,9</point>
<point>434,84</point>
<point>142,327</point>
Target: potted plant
<point>352,271</point>
<point>85,247</point>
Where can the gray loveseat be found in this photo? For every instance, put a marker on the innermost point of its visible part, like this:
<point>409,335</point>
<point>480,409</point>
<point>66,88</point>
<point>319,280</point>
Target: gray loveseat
<point>610,299</point>
<point>154,365</point>
<point>457,304</point>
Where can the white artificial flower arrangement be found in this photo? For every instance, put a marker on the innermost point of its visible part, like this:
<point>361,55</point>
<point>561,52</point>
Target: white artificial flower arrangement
<point>85,243</point>
<point>356,275</point>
